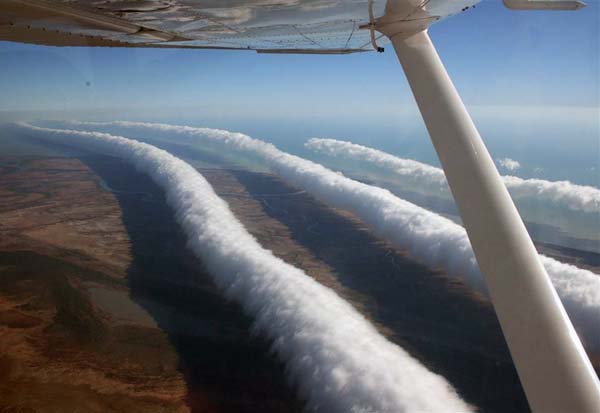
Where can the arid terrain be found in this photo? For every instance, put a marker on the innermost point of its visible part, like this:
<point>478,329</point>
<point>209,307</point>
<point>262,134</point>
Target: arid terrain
<point>102,308</point>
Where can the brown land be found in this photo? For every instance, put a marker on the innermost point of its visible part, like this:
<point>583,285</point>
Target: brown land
<point>102,308</point>
<point>89,319</point>
<point>62,236</point>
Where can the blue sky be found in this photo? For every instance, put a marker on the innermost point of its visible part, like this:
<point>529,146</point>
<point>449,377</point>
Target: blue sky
<point>495,56</point>
<point>522,74</point>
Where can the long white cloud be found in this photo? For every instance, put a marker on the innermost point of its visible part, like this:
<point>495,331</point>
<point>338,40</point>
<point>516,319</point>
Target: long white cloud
<point>338,360</point>
<point>428,237</point>
<point>559,193</point>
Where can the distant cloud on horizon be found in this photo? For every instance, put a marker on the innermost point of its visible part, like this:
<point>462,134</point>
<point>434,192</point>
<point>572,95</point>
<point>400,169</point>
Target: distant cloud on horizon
<point>509,164</point>
<point>563,196</point>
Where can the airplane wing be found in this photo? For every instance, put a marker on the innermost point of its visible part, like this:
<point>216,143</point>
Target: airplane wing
<point>276,26</point>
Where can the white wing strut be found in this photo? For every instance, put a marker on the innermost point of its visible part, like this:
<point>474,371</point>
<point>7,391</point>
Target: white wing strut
<point>553,367</point>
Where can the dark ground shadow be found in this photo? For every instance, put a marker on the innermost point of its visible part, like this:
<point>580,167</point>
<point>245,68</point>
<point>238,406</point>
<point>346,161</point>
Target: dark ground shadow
<point>226,368</point>
<point>434,318</point>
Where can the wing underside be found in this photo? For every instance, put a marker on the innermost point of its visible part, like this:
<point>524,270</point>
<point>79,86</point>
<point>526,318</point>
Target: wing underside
<point>277,26</point>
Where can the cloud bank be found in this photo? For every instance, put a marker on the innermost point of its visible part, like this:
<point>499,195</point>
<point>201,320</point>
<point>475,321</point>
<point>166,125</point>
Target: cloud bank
<point>336,358</point>
<point>563,194</point>
<point>426,236</point>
